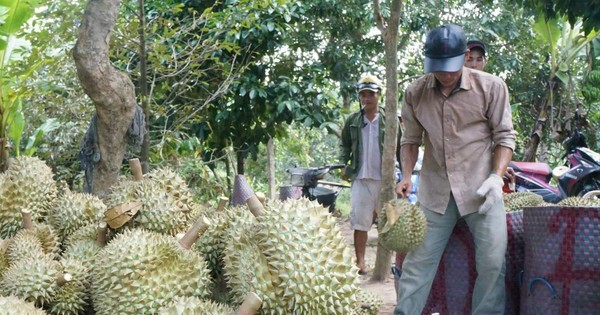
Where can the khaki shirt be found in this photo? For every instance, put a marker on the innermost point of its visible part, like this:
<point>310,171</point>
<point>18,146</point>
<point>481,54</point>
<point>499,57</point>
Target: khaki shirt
<point>459,133</point>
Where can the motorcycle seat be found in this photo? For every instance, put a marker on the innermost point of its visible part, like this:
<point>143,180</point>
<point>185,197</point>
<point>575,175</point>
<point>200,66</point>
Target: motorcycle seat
<point>531,167</point>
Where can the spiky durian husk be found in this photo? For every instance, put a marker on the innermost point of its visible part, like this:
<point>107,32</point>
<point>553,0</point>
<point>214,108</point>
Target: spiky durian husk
<point>303,265</point>
<point>212,242</point>
<point>34,280</point>
<point>367,303</point>
<point>195,306</point>
<point>73,297</point>
<point>74,210</point>
<point>3,256</point>
<point>174,185</point>
<point>579,202</point>
<point>242,261</point>
<point>25,245</point>
<point>140,271</point>
<point>516,201</point>
<point>159,211</point>
<point>409,230</point>
<point>28,184</point>
<point>82,244</point>
<point>12,305</point>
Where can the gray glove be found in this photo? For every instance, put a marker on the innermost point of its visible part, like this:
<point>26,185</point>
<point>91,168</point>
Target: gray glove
<point>491,189</point>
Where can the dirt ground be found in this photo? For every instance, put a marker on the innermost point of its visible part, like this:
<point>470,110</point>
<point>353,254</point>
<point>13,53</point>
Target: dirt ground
<point>385,290</point>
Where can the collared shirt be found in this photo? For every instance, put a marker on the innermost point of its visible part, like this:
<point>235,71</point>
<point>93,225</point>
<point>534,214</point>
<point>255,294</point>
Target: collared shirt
<point>459,133</point>
<point>370,168</point>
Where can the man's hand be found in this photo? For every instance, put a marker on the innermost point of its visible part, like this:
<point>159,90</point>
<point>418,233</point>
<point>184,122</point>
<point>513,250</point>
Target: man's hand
<point>404,187</point>
<point>491,189</point>
<point>511,177</point>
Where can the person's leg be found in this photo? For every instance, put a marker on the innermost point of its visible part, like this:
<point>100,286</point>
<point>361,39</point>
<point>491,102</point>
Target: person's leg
<point>490,236</point>
<point>361,219</point>
<point>420,265</point>
<point>360,247</point>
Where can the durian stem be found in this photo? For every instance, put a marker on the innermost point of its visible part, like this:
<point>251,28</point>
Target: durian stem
<point>27,222</point>
<point>255,206</point>
<point>101,231</point>
<point>136,169</point>
<point>222,203</point>
<point>194,232</point>
<point>62,279</point>
<point>251,304</point>
<point>261,197</point>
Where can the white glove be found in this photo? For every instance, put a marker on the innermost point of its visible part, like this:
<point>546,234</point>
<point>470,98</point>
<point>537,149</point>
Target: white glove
<point>491,189</point>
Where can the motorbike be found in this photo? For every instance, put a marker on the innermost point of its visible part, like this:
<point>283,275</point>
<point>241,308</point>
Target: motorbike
<point>579,175</point>
<point>310,179</point>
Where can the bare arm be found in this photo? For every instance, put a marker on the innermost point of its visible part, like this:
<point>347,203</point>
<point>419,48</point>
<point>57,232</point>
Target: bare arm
<point>502,155</point>
<point>409,154</point>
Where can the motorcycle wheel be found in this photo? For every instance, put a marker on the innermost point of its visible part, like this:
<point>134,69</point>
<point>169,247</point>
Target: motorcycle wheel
<point>588,184</point>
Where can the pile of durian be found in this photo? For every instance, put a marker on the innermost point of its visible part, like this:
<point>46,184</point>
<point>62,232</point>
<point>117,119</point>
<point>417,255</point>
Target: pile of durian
<point>60,253</point>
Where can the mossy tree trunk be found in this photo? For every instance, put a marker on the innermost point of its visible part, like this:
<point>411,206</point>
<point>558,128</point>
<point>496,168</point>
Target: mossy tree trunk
<point>111,90</point>
<point>390,39</point>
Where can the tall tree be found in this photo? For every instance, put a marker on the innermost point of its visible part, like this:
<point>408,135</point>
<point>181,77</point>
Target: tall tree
<point>389,32</point>
<point>110,89</point>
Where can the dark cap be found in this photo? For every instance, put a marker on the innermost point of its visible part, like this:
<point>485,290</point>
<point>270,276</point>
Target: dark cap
<point>445,49</point>
<point>474,43</point>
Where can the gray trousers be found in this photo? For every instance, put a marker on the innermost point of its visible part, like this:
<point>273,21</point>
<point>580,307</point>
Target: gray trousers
<point>420,265</point>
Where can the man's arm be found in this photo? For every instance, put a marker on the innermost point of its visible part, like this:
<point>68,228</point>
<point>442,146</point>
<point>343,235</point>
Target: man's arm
<point>502,155</point>
<point>409,154</point>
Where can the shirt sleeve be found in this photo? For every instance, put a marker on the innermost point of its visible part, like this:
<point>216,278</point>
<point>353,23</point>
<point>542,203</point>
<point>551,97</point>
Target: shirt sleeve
<point>345,144</point>
<point>413,130</point>
<point>500,116</point>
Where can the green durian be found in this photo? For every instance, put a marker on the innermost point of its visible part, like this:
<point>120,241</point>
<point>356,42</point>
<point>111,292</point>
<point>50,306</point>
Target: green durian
<point>159,212</point>
<point>195,306</point>
<point>12,305</point>
<point>297,260</point>
<point>402,226</point>
<point>83,243</point>
<point>27,184</point>
<point>33,242</point>
<point>34,280</point>
<point>74,296</point>
<point>74,210</point>
<point>367,303</point>
<point>174,185</point>
<point>579,202</point>
<point>141,271</point>
<point>516,201</point>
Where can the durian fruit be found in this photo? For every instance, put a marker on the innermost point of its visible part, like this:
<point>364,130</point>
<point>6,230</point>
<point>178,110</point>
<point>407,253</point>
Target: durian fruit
<point>402,226</point>
<point>294,258</point>
<point>516,201</point>
<point>174,185</point>
<point>34,280</point>
<point>86,242</point>
<point>141,271</point>
<point>159,211</point>
<point>194,306</point>
<point>12,305</point>
<point>27,184</point>
<point>579,202</point>
<point>74,210</point>
<point>368,303</point>
<point>33,241</point>
<point>3,256</point>
<point>73,297</point>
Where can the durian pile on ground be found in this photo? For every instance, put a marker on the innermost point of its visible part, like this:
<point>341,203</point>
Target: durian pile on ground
<point>58,256</point>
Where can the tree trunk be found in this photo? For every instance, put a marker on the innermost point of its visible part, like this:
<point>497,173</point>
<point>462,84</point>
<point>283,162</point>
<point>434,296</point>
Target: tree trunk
<point>390,40</point>
<point>111,91</point>
<point>145,150</point>
<point>536,135</point>
<point>271,168</point>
